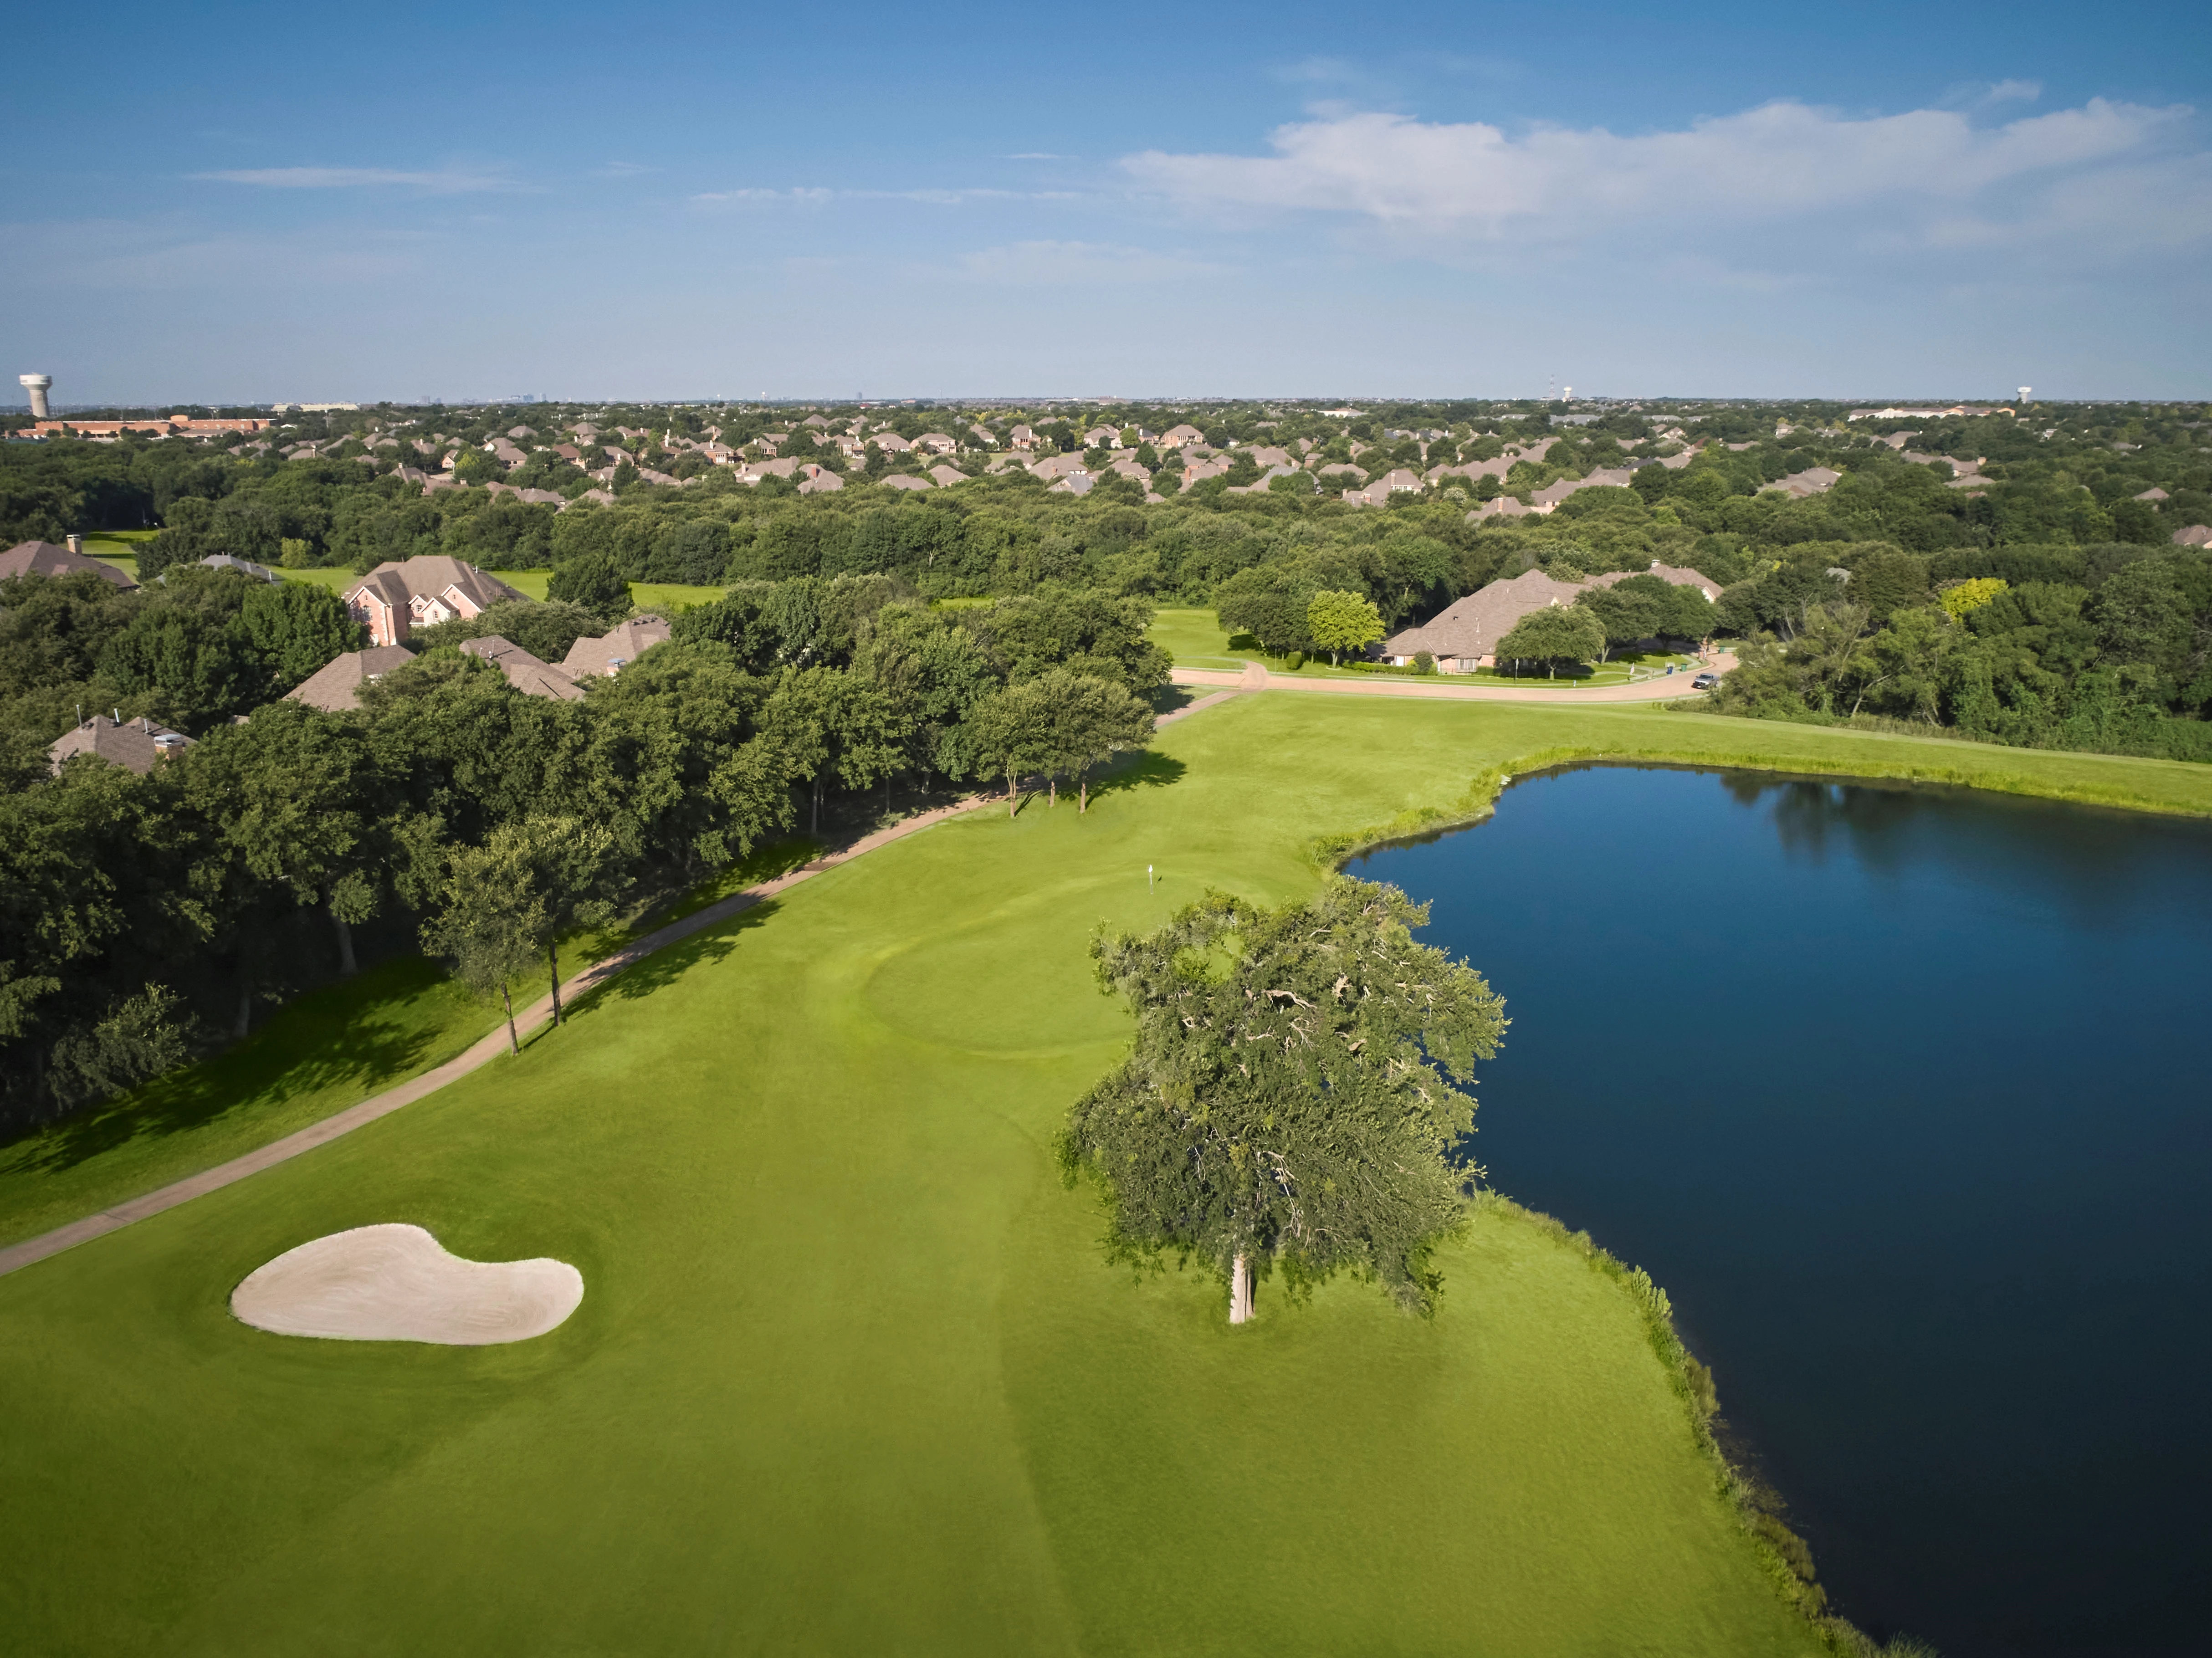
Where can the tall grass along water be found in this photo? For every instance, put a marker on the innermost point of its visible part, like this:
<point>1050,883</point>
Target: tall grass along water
<point>1901,1094</point>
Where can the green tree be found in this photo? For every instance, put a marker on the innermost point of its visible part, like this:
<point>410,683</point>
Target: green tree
<point>296,627</point>
<point>833,725</point>
<point>1092,719</point>
<point>1012,732</point>
<point>505,904</point>
<point>1293,1098</point>
<point>1552,635</point>
<point>595,581</point>
<point>1341,622</point>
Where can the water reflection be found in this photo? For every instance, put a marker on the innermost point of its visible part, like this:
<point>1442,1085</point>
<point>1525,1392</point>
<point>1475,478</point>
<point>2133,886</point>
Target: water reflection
<point>1898,1091</point>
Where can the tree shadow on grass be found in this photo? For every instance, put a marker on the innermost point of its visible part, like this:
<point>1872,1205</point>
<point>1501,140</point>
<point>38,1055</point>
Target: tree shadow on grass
<point>1139,769</point>
<point>351,1037</point>
<point>641,978</point>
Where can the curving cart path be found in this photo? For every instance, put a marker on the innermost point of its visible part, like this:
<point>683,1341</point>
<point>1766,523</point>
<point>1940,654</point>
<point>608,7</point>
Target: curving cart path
<point>16,1256</point>
<point>1256,677</point>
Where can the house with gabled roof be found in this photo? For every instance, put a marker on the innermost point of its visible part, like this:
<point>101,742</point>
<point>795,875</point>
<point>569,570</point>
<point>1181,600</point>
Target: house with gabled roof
<point>45,558</point>
<point>1464,636</point>
<point>615,649</point>
<point>336,686</point>
<point>527,673</point>
<point>398,597</point>
<point>133,744</point>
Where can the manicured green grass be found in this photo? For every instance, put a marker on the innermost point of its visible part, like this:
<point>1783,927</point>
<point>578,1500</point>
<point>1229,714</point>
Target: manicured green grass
<point>849,1374</point>
<point>1196,639</point>
<point>322,1053</point>
<point>313,1057</point>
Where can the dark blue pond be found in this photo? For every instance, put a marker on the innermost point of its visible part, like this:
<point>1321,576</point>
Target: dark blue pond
<point>1903,1096</point>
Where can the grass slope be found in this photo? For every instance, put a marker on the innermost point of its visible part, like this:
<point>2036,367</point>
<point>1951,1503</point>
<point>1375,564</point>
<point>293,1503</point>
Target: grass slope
<point>314,1057</point>
<point>849,1375</point>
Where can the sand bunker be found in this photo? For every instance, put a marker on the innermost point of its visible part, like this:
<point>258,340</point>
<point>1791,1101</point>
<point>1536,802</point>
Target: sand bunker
<point>398,1284</point>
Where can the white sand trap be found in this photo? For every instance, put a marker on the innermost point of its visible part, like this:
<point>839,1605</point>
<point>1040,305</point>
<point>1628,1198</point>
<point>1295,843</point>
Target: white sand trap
<point>397,1283</point>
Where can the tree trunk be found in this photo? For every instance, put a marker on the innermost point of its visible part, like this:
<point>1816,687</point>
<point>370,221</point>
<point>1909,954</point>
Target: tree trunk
<point>512,1041</point>
<point>1240,1291</point>
<point>245,1000</point>
<point>1052,783</point>
<point>347,964</point>
<point>553,967</point>
<point>1010,796</point>
<point>818,807</point>
<point>1083,794</point>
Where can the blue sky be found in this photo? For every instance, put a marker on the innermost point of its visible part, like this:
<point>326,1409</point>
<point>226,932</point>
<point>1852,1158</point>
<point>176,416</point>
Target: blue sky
<point>257,203</point>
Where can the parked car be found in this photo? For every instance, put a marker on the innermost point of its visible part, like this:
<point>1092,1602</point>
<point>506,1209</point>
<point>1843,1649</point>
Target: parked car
<point>1705,682</point>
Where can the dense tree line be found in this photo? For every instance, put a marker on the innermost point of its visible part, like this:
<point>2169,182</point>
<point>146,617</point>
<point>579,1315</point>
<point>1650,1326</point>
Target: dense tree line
<point>143,917</point>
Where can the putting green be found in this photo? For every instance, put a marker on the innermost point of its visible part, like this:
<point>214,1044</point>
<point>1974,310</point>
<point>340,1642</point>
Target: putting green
<point>850,1375</point>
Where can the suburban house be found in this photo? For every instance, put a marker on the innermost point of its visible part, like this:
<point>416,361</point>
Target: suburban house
<point>525,672</point>
<point>1176,437</point>
<point>135,744</point>
<point>1464,636</point>
<point>2197,535</point>
<point>1378,492</point>
<point>336,686</point>
<point>394,598</point>
<point>614,650</point>
<point>43,558</point>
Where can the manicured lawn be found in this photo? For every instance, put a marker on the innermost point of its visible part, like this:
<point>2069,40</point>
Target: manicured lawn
<point>1196,639</point>
<point>312,1057</point>
<point>849,1374</point>
<point>320,1055</point>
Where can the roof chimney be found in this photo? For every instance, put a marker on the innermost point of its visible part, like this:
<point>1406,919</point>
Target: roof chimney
<point>76,543</point>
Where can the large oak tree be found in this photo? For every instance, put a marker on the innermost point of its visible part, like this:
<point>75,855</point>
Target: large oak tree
<point>1295,1096</point>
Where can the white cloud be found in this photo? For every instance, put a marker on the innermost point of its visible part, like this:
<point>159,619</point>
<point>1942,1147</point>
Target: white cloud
<point>1059,264</point>
<point>1782,160</point>
<point>762,197</point>
<point>448,182</point>
<point>1038,155</point>
<point>815,195</point>
<point>621,170</point>
<point>2007,92</point>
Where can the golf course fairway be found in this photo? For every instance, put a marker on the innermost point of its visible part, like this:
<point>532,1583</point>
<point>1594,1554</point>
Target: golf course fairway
<point>849,1374</point>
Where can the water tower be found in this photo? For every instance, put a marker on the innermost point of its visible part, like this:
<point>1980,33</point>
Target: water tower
<point>38,385</point>
<point>2024,391</point>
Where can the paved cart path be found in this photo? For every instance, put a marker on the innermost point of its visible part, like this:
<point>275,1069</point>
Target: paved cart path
<point>18,1255</point>
<point>1256,677</point>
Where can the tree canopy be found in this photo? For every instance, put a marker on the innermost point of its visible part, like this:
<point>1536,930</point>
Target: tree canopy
<point>1294,1099</point>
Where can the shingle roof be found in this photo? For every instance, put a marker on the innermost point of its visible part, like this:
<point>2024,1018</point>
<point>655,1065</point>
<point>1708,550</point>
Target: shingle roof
<point>135,744</point>
<point>900,481</point>
<point>336,686</point>
<point>1472,627</point>
<point>43,558</point>
<point>431,576</point>
<point>526,672</point>
<point>615,649</point>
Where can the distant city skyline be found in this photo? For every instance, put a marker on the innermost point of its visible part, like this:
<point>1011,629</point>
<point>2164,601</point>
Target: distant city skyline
<point>677,203</point>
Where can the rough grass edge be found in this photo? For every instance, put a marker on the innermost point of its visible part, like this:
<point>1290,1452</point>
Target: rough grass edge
<point>1781,1553</point>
